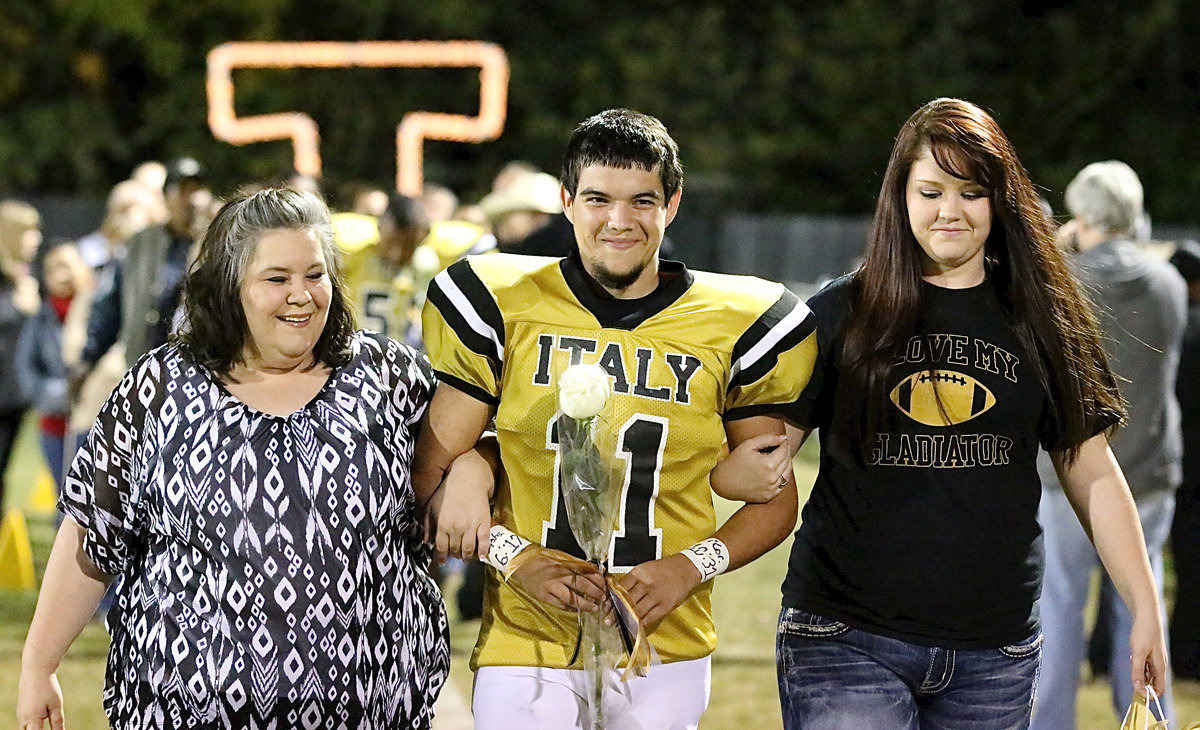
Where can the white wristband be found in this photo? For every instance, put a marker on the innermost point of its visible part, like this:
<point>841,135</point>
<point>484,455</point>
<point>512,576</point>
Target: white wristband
<point>711,558</point>
<point>503,546</point>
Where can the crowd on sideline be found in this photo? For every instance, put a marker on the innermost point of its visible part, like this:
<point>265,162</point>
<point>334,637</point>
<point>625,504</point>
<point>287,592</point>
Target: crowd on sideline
<point>75,316</point>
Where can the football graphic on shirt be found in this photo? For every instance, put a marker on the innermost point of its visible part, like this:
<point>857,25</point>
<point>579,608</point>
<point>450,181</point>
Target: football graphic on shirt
<point>962,397</point>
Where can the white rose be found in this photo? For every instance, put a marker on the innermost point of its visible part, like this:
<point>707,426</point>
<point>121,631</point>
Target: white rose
<point>582,390</point>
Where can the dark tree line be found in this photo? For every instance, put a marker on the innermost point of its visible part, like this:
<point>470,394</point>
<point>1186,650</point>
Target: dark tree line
<point>779,106</point>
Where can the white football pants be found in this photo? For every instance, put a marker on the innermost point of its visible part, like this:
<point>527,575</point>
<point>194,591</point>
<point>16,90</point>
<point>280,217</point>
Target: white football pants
<point>670,697</point>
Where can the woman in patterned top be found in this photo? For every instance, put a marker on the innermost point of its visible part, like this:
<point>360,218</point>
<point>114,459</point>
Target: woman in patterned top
<point>248,486</point>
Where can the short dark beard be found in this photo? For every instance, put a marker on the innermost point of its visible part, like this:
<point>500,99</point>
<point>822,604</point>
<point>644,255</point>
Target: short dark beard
<point>613,281</point>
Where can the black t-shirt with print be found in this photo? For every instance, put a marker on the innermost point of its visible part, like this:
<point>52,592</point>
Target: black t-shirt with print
<point>934,540</point>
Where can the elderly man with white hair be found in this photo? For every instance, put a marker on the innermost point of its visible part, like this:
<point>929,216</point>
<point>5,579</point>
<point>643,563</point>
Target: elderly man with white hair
<point>1141,302</point>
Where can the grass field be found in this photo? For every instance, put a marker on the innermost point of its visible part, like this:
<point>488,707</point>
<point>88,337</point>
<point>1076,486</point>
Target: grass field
<point>746,605</point>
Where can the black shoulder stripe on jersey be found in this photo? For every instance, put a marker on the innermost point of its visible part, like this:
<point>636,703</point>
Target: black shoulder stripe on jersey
<point>479,296</point>
<point>474,341</point>
<point>472,390</point>
<point>763,328</point>
<point>456,319</point>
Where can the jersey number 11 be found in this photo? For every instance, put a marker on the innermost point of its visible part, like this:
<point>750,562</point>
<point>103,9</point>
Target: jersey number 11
<point>636,540</point>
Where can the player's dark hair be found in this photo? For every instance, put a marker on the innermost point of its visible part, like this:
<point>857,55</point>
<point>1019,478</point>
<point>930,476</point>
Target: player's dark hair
<point>1045,306</point>
<point>406,212</point>
<point>214,331</point>
<point>625,139</point>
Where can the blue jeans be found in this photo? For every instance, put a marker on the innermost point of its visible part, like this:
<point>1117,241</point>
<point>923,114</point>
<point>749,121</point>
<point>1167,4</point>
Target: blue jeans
<point>53,450</point>
<point>1071,562</point>
<point>833,677</point>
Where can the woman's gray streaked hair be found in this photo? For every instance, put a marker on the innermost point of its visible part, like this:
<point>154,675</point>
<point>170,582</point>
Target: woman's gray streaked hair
<point>267,210</point>
<point>214,330</point>
<point>1108,196</point>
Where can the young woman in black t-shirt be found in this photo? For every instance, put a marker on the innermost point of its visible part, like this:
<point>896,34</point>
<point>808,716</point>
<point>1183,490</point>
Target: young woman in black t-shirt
<point>958,349</point>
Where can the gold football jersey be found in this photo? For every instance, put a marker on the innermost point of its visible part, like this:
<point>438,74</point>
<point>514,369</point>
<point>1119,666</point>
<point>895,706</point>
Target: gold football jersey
<point>386,299</point>
<point>702,349</point>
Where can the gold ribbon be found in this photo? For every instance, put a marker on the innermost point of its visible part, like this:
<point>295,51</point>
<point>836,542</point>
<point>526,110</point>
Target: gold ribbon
<point>640,653</point>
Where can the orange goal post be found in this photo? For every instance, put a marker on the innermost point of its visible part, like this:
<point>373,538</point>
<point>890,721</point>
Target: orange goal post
<point>414,128</point>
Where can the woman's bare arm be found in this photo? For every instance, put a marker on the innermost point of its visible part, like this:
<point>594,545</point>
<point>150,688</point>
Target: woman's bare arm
<point>1096,488</point>
<point>71,590</point>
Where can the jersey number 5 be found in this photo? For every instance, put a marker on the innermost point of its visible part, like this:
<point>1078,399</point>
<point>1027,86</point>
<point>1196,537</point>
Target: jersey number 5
<point>636,540</point>
<point>377,305</point>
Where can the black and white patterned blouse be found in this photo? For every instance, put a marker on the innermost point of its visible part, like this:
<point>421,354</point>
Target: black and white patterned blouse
<point>270,574</point>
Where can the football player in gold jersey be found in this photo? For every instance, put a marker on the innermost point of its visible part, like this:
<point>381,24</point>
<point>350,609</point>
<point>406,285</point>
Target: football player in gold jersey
<point>389,261</point>
<point>697,361</point>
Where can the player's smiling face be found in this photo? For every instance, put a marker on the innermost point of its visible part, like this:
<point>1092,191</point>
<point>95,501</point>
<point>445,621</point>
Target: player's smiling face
<point>620,215</point>
<point>285,295</point>
<point>950,218</point>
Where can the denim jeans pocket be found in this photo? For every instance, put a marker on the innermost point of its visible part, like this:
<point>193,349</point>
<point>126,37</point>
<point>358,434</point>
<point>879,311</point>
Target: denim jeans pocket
<point>794,622</point>
<point>1023,649</point>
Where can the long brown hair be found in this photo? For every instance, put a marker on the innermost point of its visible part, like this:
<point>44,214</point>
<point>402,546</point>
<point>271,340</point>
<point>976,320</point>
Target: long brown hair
<point>1040,297</point>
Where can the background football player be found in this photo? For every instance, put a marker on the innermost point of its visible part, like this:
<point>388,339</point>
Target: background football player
<point>390,260</point>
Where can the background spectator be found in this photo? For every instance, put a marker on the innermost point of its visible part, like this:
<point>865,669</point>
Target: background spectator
<point>136,303</point>
<point>131,207</point>
<point>370,201</point>
<point>152,174</point>
<point>439,201</point>
<point>1185,530</point>
<point>39,353</point>
<point>1140,302</point>
<point>523,206</point>
<point>20,234</point>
